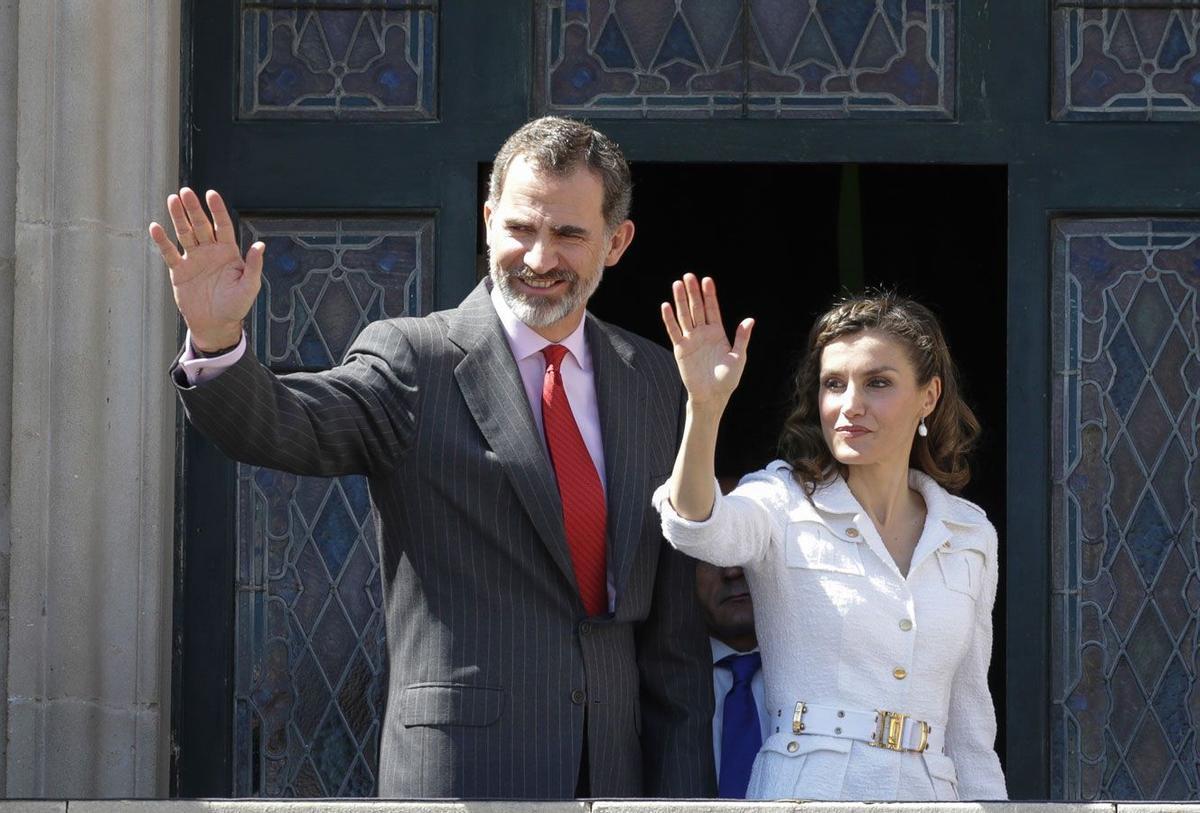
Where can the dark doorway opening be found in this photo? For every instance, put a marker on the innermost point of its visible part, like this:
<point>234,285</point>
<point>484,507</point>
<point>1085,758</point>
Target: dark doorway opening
<point>783,240</point>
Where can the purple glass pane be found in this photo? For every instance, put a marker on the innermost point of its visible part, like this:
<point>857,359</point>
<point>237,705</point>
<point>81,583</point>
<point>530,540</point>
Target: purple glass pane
<point>310,668</point>
<point>1125,62</point>
<point>1149,757</point>
<point>1125,342</point>
<point>344,60</point>
<point>708,58</point>
<point>325,279</point>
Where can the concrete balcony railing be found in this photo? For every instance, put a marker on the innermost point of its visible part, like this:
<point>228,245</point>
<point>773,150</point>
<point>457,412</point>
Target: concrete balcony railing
<point>596,806</point>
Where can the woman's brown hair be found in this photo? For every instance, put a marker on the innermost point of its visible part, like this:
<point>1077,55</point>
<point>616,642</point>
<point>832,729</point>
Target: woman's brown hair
<point>952,425</point>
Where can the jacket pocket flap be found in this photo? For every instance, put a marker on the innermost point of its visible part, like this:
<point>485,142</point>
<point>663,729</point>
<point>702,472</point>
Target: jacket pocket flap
<point>941,766</point>
<point>450,704</point>
<point>795,745</point>
<point>811,545</point>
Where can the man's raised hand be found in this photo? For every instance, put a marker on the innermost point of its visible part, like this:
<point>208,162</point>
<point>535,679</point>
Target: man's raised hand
<point>709,366</point>
<point>214,285</point>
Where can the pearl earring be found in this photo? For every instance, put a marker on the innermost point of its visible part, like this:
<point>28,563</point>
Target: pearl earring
<point>922,429</point>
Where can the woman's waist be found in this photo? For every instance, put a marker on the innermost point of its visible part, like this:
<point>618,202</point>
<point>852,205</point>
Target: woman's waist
<point>886,723</point>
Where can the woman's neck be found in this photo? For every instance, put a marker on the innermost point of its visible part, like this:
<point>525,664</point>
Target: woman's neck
<point>882,491</point>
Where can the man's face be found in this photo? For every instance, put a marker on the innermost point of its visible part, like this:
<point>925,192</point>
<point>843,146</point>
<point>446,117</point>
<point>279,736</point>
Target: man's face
<point>548,244</point>
<point>724,600</point>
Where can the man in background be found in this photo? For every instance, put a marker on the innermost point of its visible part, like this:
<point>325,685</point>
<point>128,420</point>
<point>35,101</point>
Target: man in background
<point>739,718</point>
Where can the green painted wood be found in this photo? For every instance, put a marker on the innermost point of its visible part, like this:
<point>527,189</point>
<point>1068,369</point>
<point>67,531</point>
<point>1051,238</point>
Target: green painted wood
<point>1003,101</point>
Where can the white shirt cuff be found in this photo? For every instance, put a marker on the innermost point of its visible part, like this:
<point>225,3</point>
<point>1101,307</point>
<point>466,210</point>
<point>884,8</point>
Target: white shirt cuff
<point>198,369</point>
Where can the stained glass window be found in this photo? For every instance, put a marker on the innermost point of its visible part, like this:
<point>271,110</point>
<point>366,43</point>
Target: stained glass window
<point>745,58</point>
<point>346,59</point>
<point>1125,615</point>
<point>310,658</point>
<point>1126,60</point>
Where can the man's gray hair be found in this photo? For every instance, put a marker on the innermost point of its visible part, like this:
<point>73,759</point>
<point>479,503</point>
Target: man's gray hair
<point>558,146</point>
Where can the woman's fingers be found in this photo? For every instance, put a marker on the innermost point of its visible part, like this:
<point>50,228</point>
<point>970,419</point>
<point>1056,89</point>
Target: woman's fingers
<point>741,336</point>
<point>712,311</point>
<point>201,227</point>
<point>672,325</point>
<point>682,311</point>
<point>166,248</point>
<point>695,299</point>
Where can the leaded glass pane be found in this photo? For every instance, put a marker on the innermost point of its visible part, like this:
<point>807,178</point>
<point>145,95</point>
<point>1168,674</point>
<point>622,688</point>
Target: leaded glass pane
<point>1126,589</point>
<point>370,59</point>
<point>310,658</point>
<point>325,279</point>
<point>1126,59</point>
<point>745,58</point>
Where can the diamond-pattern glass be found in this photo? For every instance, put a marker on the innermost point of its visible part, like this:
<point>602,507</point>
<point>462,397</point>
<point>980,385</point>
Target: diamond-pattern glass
<point>1128,60</point>
<point>745,58</point>
<point>325,279</point>
<point>349,59</point>
<point>310,658</point>
<point>1126,482</point>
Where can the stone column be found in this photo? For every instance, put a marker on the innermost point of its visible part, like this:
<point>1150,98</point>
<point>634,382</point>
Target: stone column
<point>8,249</point>
<point>92,457</point>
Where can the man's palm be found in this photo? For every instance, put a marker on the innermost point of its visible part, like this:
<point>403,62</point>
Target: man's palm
<point>214,285</point>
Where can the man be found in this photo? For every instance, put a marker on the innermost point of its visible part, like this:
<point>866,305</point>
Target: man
<point>542,638</point>
<point>739,722</point>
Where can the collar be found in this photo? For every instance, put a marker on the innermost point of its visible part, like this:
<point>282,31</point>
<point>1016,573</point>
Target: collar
<point>526,342</point>
<point>834,497</point>
<point>720,649</point>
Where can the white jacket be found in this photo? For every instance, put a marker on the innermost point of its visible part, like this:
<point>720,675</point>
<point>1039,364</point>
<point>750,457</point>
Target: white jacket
<point>836,621</point>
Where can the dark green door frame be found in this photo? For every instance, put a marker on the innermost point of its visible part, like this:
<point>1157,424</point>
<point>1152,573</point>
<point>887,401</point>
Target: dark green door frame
<point>1004,78</point>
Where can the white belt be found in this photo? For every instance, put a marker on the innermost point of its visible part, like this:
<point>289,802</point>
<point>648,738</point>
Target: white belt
<point>882,729</point>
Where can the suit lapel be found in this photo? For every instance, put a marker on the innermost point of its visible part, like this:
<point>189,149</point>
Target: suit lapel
<point>491,385</point>
<point>622,395</point>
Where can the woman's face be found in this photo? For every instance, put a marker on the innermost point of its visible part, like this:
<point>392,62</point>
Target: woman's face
<point>869,399</point>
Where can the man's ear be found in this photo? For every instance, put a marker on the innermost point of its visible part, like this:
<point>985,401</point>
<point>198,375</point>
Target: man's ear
<point>621,237</point>
<point>487,216</point>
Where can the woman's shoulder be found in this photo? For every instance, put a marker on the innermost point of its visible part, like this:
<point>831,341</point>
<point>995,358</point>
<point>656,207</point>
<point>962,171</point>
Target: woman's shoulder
<point>958,512</point>
<point>772,484</point>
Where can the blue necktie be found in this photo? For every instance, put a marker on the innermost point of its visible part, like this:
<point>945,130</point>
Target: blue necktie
<point>741,732</point>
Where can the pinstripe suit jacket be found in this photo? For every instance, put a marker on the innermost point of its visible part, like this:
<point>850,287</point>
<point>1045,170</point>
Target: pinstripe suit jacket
<point>493,665</point>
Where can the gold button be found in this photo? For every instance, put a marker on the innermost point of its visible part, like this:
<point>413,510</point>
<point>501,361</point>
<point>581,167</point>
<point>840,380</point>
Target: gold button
<point>899,673</point>
<point>946,544</point>
<point>905,624</point>
<point>852,532</point>
<point>793,746</point>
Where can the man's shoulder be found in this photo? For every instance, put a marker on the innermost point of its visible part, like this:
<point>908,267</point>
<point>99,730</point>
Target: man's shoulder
<point>648,351</point>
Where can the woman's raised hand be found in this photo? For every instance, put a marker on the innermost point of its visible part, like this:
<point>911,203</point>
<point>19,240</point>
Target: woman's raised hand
<point>214,285</point>
<point>709,366</point>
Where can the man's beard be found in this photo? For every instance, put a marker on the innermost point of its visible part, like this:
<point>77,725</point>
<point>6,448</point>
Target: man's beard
<point>542,312</point>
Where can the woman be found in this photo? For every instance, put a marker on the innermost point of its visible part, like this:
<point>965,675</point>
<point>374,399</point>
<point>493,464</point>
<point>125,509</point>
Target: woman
<point>873,586</point>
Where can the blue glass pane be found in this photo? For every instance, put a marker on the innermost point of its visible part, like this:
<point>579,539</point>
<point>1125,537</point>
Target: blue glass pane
<point>310,665</point>
<point>343,60</point>
<point>745,58</point>
<point>1122,61</point>
<point>325,279</point>
<point>1125,293</point>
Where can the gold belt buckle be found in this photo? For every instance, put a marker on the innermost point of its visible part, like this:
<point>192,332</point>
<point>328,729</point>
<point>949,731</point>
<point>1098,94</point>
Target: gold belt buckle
<point>798,718</point>
<point>889,732</point>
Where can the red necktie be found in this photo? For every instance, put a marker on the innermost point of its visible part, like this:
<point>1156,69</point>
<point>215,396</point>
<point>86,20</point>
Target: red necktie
<point>578,487</point>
